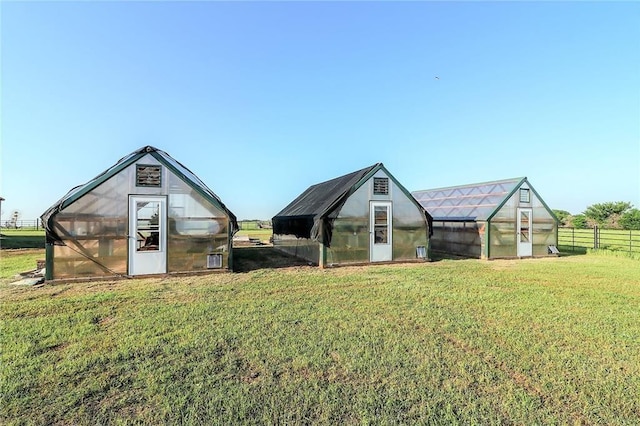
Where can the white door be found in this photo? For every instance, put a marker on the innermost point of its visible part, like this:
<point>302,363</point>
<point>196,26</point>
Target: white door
<point>524,240</point>
<point>147,235</point>
<point>381,231</point>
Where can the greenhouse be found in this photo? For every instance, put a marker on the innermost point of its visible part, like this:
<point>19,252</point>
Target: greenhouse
<point>147,214</point>
<point>365,216</point>
<point>501,219</point>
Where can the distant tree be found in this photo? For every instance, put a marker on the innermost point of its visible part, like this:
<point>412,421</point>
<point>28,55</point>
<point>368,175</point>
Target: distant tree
<point>630,219</point>
<point>602,212</point>
<point>563,216</point>
<point>579,221</point>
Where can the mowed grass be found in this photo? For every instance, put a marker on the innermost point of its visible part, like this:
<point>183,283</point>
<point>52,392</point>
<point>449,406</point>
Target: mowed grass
<point>262,234</point>
<point>543,341</point>
<point>13,262</point>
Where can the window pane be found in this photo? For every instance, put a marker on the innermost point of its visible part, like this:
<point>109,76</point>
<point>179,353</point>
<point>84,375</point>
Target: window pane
<point>147,226</point>
<point>524,227</point>
<point>380,215</point>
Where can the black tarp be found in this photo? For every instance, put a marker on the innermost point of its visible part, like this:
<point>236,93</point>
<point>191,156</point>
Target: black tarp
<point>312,213</point>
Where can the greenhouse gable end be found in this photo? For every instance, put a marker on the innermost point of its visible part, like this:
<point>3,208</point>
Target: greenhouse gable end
<point>147,214</point>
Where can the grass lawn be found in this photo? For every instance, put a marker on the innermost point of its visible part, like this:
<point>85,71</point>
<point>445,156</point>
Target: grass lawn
<point>543,341</point>
<point>12,262</point>
<point>263,234</point>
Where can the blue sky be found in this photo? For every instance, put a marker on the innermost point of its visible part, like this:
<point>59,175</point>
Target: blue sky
<point>263,99</point>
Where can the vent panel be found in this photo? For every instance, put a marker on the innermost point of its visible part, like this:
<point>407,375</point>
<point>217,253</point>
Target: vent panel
<point>381,186</point>
<point>148,175</point>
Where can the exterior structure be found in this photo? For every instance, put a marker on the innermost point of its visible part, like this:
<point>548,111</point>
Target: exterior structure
<point>364,216</point>
<point>501,219</point>
<point>147,214</point>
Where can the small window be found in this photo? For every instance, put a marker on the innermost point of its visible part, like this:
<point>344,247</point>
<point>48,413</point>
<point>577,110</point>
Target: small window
<point>524,195</point>
<point>148,175</point>
<point>380,186</point>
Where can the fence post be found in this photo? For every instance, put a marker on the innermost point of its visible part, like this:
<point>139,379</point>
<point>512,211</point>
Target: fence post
<point>573,239</point>
<point>630,239</point>
<point>595,237</point>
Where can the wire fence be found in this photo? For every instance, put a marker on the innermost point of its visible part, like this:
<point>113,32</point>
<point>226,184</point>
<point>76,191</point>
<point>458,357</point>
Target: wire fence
<point>596,238</point>
<point>569,239</point>
<point>35,224</point>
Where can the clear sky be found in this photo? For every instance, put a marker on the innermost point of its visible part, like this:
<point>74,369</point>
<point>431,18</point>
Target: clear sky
<point>263,99</point>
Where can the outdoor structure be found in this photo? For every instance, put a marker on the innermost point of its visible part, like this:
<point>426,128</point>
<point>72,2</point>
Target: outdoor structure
<point>365,216</point>
<point>501,219</point>
<point>147,214</point>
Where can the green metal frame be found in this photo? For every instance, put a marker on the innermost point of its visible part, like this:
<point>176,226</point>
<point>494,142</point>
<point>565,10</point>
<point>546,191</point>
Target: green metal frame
<point>48,251</point>
<point>504,201</point>
<point>114,170</point>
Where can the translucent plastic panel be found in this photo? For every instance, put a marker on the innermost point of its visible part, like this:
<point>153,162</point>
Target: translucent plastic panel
<point>350,242</point>
<point>409,227</point>
<point>104,257</point>
<point>460,238</point>
<point>96,227</point>
<point>475,201</point>
<point>503,239</point>
<point>303,248</point>
<point>196,229</point>
<point>542,232</point>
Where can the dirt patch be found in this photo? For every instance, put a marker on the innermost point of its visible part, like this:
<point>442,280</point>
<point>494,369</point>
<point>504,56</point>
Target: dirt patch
<point>247,259</point>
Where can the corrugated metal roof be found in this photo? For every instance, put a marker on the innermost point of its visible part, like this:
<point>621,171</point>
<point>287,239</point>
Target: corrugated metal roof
<point>475,201</point>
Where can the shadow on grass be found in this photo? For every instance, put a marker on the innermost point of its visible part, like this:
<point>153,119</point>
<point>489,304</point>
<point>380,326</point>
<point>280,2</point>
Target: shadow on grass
<point>21,241</point>
<point>572,251</point>
<point>247,259</point>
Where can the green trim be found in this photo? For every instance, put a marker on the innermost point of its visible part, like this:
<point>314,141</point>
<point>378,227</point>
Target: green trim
<point>338,201</point>
<point>553,215</point>
<point>188,181</point>
<point>88,187</point>
<point>404,190</point>
<point>505,199</point>
<point>48,249</point>
<point>487,240</point>
<point>230,248</point>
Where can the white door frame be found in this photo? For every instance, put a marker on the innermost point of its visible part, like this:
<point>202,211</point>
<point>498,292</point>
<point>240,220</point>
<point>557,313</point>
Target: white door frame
<point>381,241</point>
<point>147,240</point>
<point>524,228</point>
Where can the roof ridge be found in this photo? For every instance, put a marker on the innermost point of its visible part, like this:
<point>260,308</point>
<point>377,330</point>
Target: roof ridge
<point>516,179</point>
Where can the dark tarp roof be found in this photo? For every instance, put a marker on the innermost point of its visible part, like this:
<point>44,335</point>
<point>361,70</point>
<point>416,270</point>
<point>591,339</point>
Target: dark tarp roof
<point>163,158</point>
<point>312,213</point>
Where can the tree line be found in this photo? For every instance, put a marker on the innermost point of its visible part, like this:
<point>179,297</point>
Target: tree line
<point>613,214</point>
